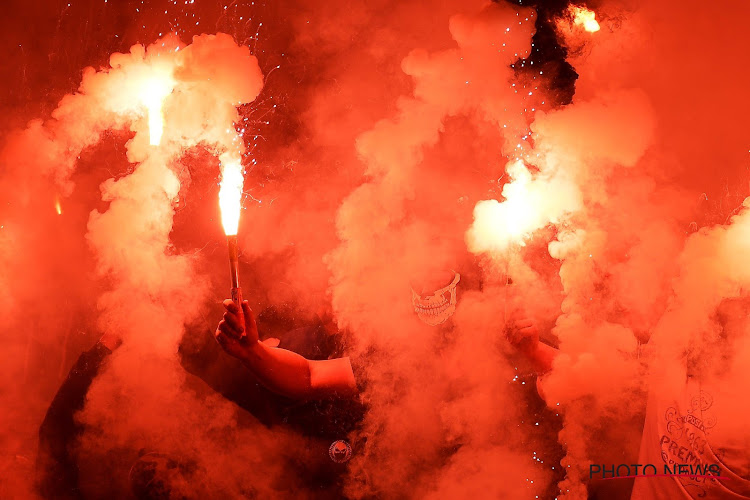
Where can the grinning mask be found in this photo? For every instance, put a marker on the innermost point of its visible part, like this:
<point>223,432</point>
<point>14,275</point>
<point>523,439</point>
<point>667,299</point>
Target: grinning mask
<point>435,307</point>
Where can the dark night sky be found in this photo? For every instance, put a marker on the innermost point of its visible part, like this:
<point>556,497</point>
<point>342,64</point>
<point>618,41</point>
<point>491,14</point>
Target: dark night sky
<point>47,43</point>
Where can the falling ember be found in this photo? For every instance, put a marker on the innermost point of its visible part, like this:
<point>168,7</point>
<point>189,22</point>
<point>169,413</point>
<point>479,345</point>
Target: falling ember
<point>58,208</point>
<point>584,17</point>
<point>230,200</point>
<point>154,93</point>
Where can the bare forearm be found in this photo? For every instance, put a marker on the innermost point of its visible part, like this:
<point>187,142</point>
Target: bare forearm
<point>332,378</point>
<point>279,370</point>
<point>291,375</point>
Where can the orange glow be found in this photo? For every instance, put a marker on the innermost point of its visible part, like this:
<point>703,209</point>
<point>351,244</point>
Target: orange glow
<point>230,193</point>
<point>500,224</point>
<point>155,91</point>
<point>512,234</point>
<point>584,17</point>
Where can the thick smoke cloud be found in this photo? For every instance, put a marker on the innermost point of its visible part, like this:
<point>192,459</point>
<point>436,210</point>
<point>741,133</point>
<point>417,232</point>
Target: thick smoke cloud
<point>393,227</point>
<point>416,139</point>
<point>150,291</point>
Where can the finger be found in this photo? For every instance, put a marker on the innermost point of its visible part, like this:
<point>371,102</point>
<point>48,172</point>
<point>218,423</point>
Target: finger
<point>228,330</point>
<point>523,323</point>
<point>231,306</point>
<point>528,331</point>
<point>513,337</point>
<point>272,342</point>
<point>221,337</point>
<point>524,339</point>
<point>250,325</point>
<point>233,321</point>
<point>227,343</point>
<point>511,334</point>
<point>223,328</point>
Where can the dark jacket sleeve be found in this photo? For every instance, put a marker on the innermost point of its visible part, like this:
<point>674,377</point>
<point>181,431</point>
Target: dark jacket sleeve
<point>56,468</point>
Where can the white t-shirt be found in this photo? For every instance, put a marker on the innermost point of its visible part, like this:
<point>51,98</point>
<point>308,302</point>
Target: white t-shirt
<point>683,425</point>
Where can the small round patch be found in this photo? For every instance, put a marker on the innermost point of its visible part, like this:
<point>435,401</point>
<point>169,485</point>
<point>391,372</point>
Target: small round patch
<point>340,451</point>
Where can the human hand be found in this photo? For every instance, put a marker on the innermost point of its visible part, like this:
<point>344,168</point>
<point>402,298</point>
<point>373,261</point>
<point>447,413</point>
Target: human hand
<point>237,333</point>
<point>522,332</point>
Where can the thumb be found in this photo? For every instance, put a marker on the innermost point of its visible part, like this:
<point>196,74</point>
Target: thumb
<point>250,326</point>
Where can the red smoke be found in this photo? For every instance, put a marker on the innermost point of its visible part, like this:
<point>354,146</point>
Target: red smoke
<point>382,140</point>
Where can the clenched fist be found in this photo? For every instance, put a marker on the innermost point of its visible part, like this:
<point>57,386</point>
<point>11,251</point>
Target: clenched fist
<point>522,332</point>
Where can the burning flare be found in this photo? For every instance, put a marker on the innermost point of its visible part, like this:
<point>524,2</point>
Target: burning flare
<point>230,201</point>
<point>498,225</point>
<point>584,17</point>
<point>230,194</point>
<point>155,91</point>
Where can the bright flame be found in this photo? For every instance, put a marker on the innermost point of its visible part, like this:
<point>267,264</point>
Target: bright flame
<point>58,208</point>
<point>584,17</point>
<point>230,193</point>
<point>498,225</point>
<point>155,91</point>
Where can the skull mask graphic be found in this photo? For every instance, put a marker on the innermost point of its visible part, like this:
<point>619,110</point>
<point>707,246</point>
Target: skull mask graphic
<point>435,308</point>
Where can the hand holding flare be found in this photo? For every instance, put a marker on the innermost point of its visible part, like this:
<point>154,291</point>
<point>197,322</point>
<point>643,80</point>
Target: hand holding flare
<point>279,370</point>
<point>234,271</point>
<point>237,332</point>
